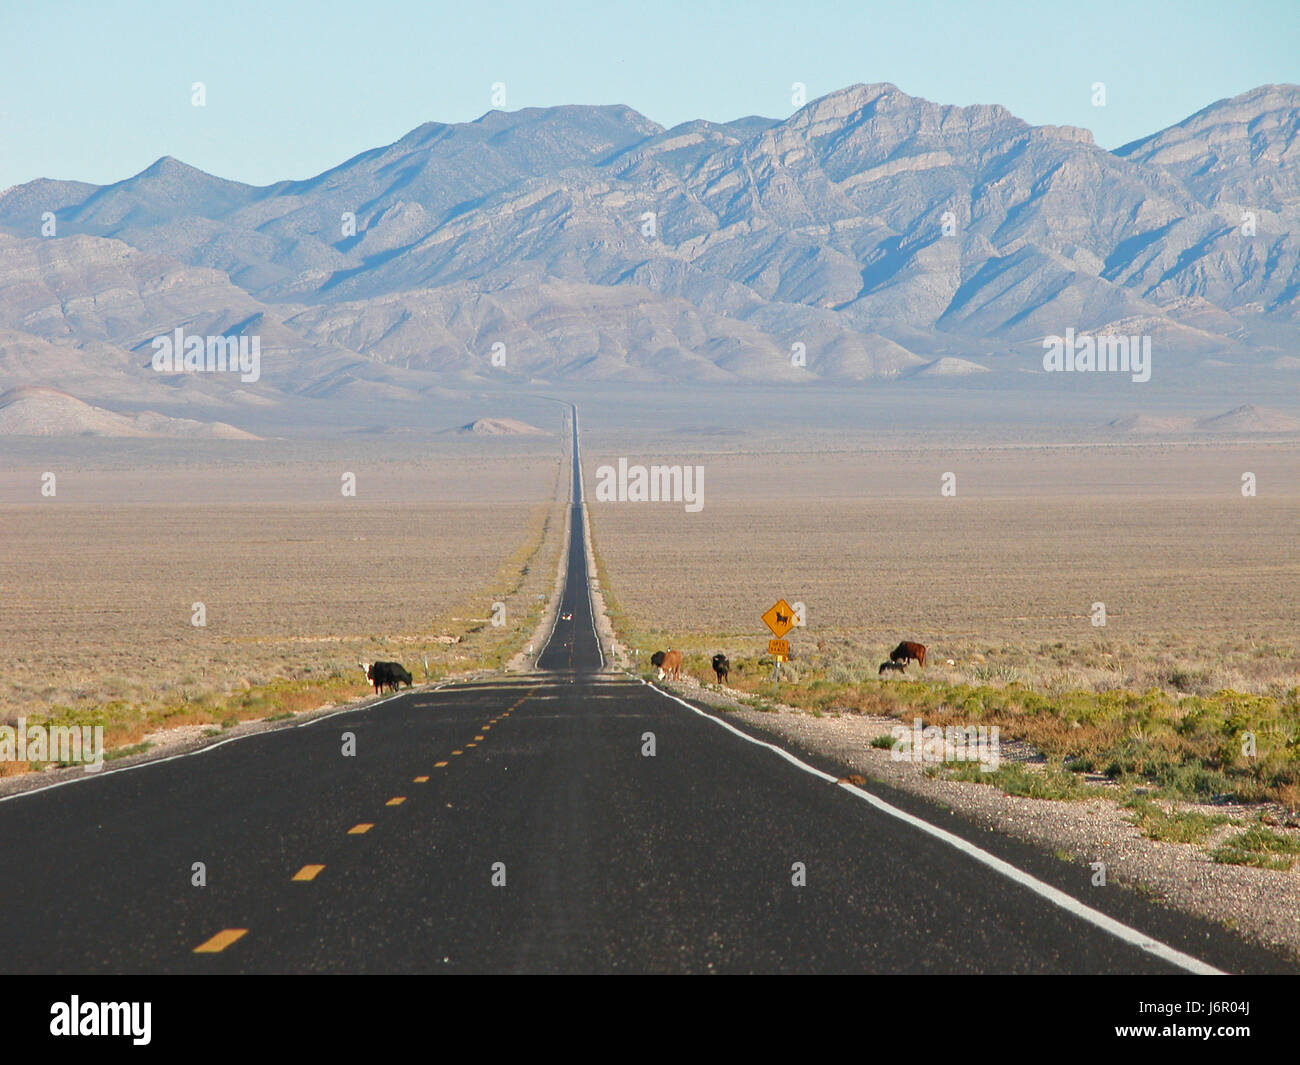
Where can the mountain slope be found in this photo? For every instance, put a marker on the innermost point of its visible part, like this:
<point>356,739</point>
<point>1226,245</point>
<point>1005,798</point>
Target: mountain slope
<point>867,235</point>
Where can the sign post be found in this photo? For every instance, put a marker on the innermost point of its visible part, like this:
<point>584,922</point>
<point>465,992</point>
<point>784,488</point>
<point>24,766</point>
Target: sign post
<point>779,617</point>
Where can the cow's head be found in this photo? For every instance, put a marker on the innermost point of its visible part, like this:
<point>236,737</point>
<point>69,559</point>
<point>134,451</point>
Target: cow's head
<point>365,668</point>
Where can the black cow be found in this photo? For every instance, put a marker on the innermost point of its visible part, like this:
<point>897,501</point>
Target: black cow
<point>896,667</point>
<point>389,674</point>
<point>721,667</point>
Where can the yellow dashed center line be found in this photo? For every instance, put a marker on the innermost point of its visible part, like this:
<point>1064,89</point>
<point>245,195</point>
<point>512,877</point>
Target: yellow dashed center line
<point>226,937</point>
<point>220,941</point>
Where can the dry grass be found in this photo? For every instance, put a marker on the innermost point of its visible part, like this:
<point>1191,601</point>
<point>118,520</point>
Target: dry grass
<point>1199,588</point>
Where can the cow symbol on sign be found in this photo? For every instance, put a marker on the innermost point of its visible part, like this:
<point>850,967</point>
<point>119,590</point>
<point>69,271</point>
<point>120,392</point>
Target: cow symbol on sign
<point>779,618</point>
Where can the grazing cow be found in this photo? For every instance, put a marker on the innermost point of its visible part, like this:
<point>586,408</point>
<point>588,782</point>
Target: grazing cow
<point>377,674</point>
<point>908,650</point>
<point>388,674</point>
<point>395,674</point>
<point>669,664</point>
<point>892,667</point>
<point>366,668</point>
<point>721,667</point>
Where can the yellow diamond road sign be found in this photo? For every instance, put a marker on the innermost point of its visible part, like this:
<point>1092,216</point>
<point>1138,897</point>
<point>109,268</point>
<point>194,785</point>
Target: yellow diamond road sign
<point>779,618</point>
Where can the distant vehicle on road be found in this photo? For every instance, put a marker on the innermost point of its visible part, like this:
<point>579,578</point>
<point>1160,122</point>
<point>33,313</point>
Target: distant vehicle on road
<point>566,617</point>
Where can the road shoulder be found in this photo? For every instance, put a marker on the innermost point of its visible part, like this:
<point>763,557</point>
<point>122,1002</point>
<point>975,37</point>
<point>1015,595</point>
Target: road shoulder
<point>1261,905</point>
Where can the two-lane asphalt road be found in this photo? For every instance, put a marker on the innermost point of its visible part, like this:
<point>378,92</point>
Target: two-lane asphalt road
<point>573,646</point>
<point>566,820</point>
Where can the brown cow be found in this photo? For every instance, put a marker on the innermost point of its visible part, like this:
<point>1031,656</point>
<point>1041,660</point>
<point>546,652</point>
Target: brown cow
<point>908,650</point>
<point>669,664</point>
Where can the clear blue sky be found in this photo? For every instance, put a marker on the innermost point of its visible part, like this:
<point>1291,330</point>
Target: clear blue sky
<point>98,89</point>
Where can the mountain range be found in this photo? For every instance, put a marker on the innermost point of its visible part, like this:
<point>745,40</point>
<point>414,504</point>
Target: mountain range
<point>870,235</point>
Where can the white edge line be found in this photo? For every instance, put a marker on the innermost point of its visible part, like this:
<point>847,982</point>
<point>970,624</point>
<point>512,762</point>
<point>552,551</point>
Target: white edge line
<point>1039,887</point>
<point>365,706</point>
<point>589,561</point>
<point>591,576</point>
<point>86,777</point>
<point>559,604</point>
